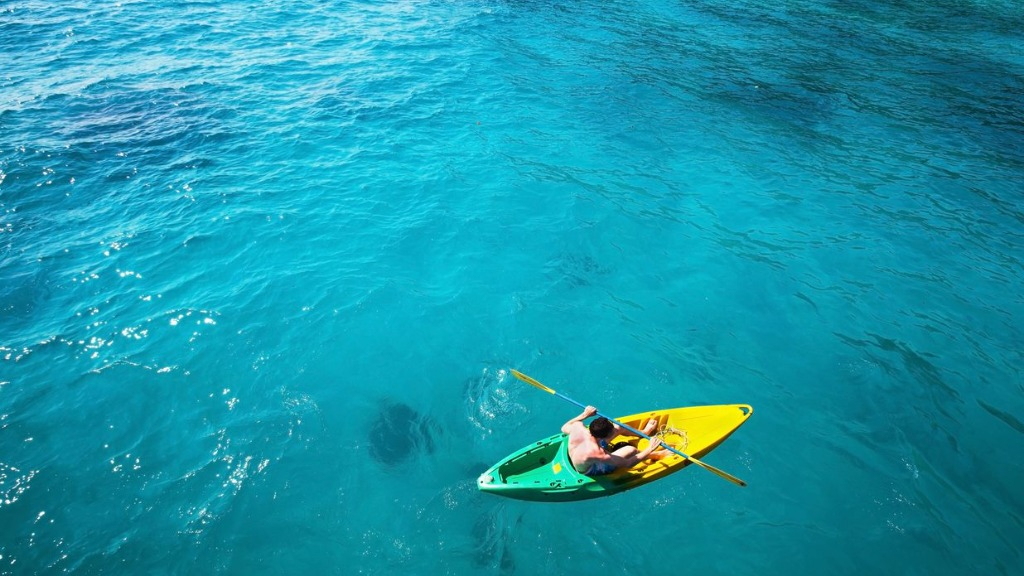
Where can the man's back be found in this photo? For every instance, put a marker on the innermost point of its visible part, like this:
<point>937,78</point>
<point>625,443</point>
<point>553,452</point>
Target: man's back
<point>587,445</point>
<point>584,449</point>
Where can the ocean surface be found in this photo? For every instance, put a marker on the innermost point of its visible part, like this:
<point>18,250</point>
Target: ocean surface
<point>265,266</point>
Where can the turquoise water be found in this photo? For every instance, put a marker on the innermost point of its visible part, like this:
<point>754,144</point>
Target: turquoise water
<point>264,268</point>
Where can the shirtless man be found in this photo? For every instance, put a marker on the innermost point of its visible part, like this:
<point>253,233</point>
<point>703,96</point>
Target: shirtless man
<point>589,449</point>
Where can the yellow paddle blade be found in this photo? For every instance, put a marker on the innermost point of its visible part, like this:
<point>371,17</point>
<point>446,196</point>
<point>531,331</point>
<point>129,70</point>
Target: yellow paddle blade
<point>721,473</point>
<point>531,381</point>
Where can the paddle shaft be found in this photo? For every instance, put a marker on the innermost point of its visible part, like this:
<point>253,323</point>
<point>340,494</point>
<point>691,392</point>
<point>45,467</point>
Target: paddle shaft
<point>707,467</point>
<point>626,426</point>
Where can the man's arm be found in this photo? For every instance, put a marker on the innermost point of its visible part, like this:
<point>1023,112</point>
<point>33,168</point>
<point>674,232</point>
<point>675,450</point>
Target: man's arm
<point>587,413</point>
<point>630,461</point>
<point>620,431</point>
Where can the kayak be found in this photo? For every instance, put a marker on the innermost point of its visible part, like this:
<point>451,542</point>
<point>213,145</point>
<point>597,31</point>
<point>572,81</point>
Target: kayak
<point>543,472</point>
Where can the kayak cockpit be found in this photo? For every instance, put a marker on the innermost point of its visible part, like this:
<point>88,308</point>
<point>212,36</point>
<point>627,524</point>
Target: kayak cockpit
<point>535,464</point>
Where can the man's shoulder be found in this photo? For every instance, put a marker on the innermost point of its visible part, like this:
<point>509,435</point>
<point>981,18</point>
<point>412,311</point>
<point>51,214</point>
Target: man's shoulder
<point>578,429</point>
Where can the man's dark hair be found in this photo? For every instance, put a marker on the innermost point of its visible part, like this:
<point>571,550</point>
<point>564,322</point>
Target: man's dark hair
<point>601,427</point>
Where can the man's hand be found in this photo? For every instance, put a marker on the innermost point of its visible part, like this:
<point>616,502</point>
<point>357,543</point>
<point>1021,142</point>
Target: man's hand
<point>654,445</point>
<point>587,413</point>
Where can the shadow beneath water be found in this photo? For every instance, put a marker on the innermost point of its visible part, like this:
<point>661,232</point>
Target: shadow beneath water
<point>399,431</point>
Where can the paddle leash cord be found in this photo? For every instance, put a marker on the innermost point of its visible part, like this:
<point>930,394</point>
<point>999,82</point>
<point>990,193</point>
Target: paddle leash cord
<point>674,437</point>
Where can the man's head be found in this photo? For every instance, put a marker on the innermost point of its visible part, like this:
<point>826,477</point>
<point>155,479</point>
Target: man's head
<point>601,428</point>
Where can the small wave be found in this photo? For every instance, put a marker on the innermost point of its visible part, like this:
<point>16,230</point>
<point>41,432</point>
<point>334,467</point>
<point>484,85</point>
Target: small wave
<point>14,482</point>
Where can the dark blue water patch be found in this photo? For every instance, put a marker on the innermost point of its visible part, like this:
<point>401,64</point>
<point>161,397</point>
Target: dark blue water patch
<point>934,390</point>
<point>122,120</point>
<point>398,432</point>
<point>125,155</point>
<point>576,270</point>
<point>122,151</point>
<point>118,115</point>
<point>804,75</point>
<point>935,15</point>
<point>965,98</point>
